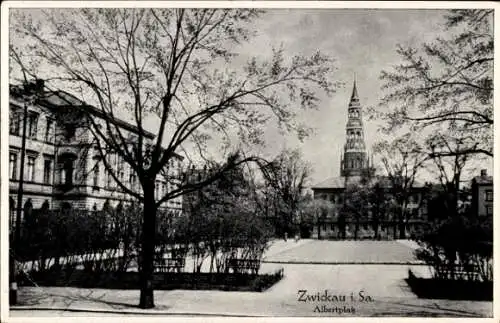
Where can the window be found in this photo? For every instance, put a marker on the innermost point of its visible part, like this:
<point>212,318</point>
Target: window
<point>109,179</point>
<point>47,171</point>
<point>488,196</point>
<point>67,174</point>
<point>15,122</point>
<point>30,171</point>
<point>120,161</point>
<point>489,210</point>
<point>13,165</point>
<point>157,188</point>
<point>32,124</point>
<point>133,181</point>
<point>49,133</point>
<point>164,188</point>
<point>95,180</point>
<point>62,174</point>
<point>69,130</point>
<point>120,174</point>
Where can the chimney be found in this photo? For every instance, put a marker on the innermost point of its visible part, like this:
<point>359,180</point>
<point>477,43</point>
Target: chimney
<point>483,172</point>
<point>34,86</point>
<point>39,85</point>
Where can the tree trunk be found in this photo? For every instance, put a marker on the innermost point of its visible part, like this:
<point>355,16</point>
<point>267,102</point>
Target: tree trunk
<point>341,223</point>
<point>126,255</point>
<point>402,231</point>
<point>148,247</point>
<point>402,226</point>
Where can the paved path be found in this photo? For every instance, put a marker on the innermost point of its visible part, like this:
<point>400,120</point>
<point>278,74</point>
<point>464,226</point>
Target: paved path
<point>384,284</point>
<point>347,252</point>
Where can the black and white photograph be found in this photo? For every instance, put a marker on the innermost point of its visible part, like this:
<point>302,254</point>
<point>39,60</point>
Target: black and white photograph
<point>247,159</point>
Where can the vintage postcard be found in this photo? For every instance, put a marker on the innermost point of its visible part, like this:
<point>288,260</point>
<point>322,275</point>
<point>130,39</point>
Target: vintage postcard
<point>263,160</point>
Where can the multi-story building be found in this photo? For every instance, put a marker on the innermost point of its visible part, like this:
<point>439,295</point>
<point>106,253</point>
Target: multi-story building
<point>62,164</point>
<point>356,167</point>
<point>482,195</point>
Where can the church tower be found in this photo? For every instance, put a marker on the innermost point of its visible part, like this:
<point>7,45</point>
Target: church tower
<point>355,160</point>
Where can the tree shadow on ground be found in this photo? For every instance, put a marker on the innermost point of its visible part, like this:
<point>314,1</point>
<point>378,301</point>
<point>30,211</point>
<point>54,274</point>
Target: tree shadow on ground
<point>30,298</point>
<point>427,310</point>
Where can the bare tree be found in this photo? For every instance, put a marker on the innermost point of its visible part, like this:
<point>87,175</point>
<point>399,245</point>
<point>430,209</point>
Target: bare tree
<point>286,176</point>
<point>177,66</point>
<point>365,201</point>
<point>402,159</point>
<point>447,153</point>
<point>316,211</point>
<point>447,83</point>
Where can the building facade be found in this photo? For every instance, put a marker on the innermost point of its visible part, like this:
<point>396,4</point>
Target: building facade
<point>356,171</point>
<point>482,195</point>
<point>62,166</point>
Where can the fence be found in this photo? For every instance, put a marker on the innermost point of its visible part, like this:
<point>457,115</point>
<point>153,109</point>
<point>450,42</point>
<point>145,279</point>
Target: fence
<point>366,230</point>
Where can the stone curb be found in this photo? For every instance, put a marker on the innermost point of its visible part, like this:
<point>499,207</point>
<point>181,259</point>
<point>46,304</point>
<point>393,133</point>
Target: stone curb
<point>293,262</point>
<point>290,247</point>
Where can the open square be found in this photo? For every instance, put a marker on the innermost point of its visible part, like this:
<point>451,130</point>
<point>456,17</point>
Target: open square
<point>346,252</point>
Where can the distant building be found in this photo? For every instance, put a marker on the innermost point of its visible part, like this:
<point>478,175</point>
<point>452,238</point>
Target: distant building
<point>482,195</point>
<point>355,167</point>
<point>62,164</point>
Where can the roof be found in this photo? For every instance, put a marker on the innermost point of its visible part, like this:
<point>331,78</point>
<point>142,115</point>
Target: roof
<point>483,180</point>
<point>354,95</point>
<point>63,99</point>
<point>340,182</point>
<point>332,182</point>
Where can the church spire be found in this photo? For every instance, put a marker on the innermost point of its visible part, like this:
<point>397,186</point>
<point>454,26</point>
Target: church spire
<point>354,96</point>
<point>355,157</point>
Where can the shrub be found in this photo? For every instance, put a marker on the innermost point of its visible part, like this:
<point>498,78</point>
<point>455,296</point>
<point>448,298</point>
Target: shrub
<point>459,248</point>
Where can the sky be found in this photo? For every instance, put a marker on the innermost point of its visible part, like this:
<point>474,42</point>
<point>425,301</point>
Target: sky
<point>363,43</point>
